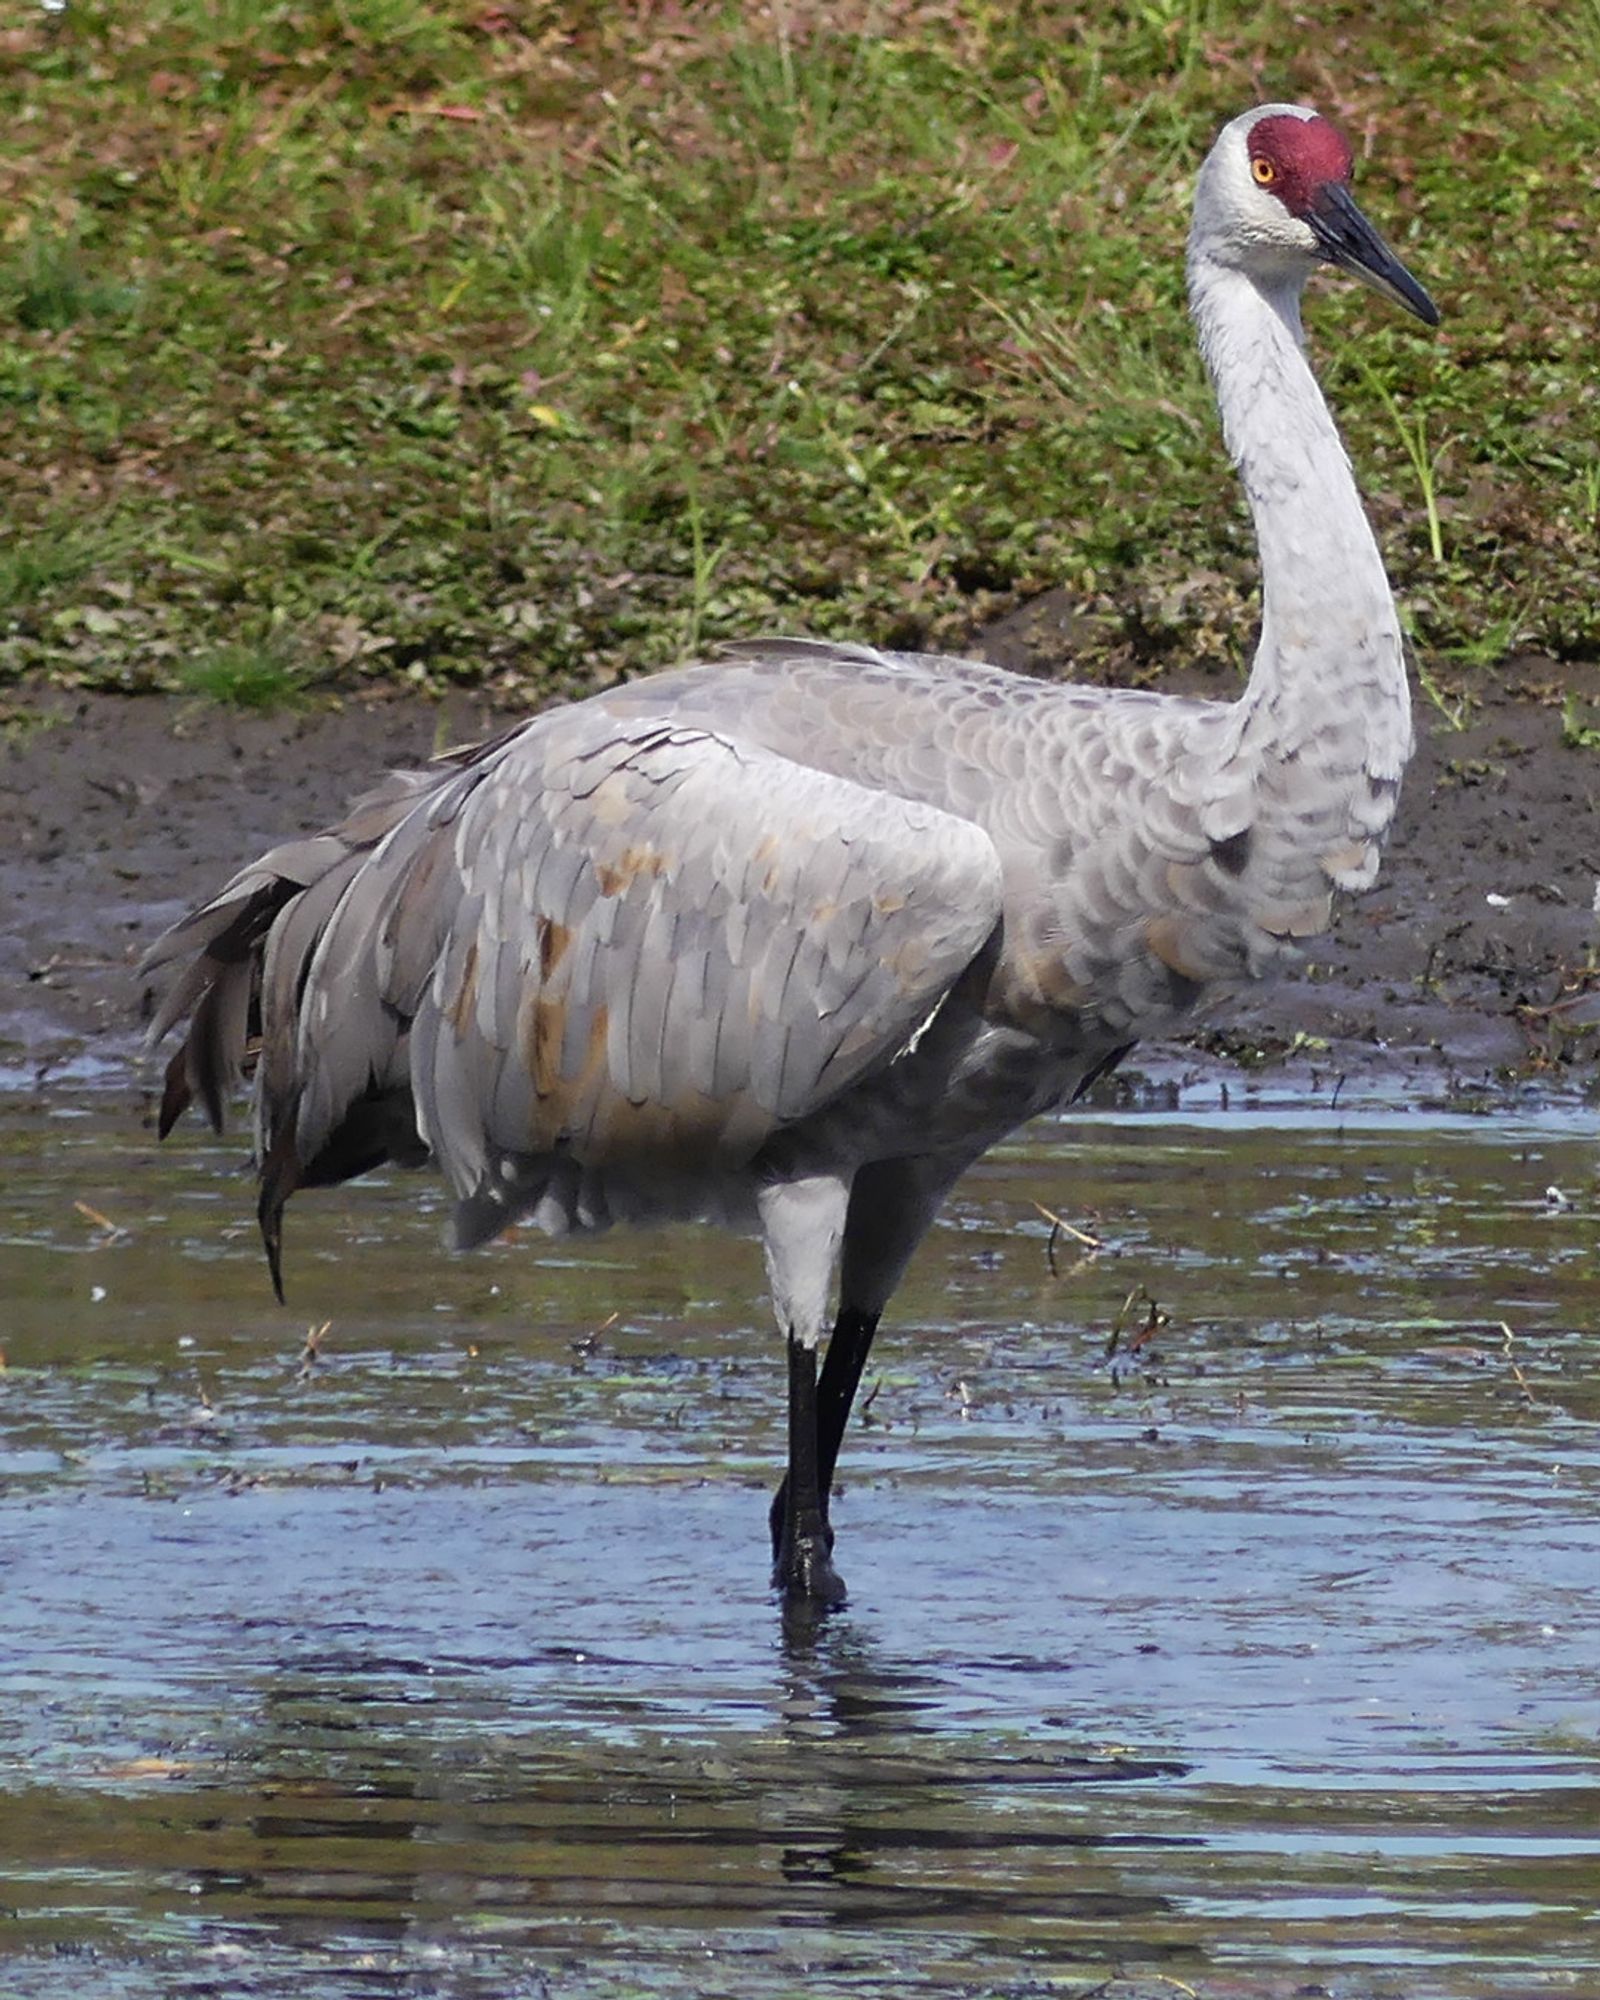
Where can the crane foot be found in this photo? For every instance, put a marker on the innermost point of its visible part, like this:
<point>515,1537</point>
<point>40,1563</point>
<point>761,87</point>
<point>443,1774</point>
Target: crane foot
<point>776,1514</point>
<point>804,1570</point>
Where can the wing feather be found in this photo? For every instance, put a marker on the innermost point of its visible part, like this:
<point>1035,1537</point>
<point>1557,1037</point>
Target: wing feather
<point>692,942</point>
<point>607,944</point>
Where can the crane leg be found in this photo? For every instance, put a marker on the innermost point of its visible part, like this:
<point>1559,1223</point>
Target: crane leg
<point>802,1550</point>
<point>891,1205</point>
<point>842,1368</point>
<point>802,1223</point>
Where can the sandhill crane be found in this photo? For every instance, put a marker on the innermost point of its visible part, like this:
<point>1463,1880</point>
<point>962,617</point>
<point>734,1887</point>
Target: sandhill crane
<point>786,940</point>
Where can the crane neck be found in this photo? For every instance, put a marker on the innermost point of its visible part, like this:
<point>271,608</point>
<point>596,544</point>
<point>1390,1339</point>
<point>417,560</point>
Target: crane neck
<point>1330,635</point>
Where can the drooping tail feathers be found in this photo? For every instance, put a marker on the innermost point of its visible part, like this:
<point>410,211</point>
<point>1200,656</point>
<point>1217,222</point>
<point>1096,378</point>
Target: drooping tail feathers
<point>304,971</point>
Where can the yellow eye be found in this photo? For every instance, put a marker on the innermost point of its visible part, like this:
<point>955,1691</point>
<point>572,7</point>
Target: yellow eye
<point>1265,172</point>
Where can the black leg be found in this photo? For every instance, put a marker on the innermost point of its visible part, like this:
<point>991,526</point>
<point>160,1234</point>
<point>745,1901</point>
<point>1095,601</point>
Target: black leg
<point>835,1395</point>
<point>803,1566</point>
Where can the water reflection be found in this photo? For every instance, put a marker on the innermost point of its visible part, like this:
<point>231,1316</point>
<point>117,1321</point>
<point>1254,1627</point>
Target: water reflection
<point>1255,1653</point>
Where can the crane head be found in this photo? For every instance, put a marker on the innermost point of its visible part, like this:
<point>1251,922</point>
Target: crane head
<point>1274,199</point>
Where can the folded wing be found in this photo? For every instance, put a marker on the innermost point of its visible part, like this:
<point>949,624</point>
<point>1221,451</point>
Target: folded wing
<point>600,943</point>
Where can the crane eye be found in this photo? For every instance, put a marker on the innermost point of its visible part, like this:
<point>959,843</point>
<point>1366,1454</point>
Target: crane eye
<point>1265,172</point>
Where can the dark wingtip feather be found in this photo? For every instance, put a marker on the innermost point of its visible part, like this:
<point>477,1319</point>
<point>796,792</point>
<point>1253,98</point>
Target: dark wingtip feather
<point>280,1176</point>
<point>269,1213</point>
<point>215,1041</point>
<point>176,1096</point>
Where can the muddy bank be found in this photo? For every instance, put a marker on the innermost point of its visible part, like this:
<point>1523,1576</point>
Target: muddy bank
<point>1466,966</point>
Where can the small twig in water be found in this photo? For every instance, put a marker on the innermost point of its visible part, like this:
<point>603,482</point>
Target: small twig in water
<point>1154,1321</point>
<point>112,1229</point>
<point>587,1343</point>
<point>1506,1338</point>
<point>1059,1226</point>
<point>311,1353</point>
<point>204,1413</point>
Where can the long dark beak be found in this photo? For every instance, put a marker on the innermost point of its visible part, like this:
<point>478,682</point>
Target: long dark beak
<point>1346,238</point>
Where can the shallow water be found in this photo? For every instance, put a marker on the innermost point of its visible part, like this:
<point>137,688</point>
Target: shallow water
<point>1223,1619</point>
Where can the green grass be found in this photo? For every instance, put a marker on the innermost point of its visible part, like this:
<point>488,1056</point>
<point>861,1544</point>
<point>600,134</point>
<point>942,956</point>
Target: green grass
<point>241,675</point>
<point>57,557</point>
<point>53,286</point>
<point>521,346</point>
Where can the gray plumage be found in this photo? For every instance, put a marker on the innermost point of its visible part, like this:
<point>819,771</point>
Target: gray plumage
<point>786,940</point>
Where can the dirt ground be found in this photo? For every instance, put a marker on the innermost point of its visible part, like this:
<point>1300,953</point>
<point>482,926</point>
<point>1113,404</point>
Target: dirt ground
<point>1463,974</point>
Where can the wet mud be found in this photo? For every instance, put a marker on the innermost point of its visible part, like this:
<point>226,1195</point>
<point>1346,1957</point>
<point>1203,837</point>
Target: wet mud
<point>1472,958</point>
